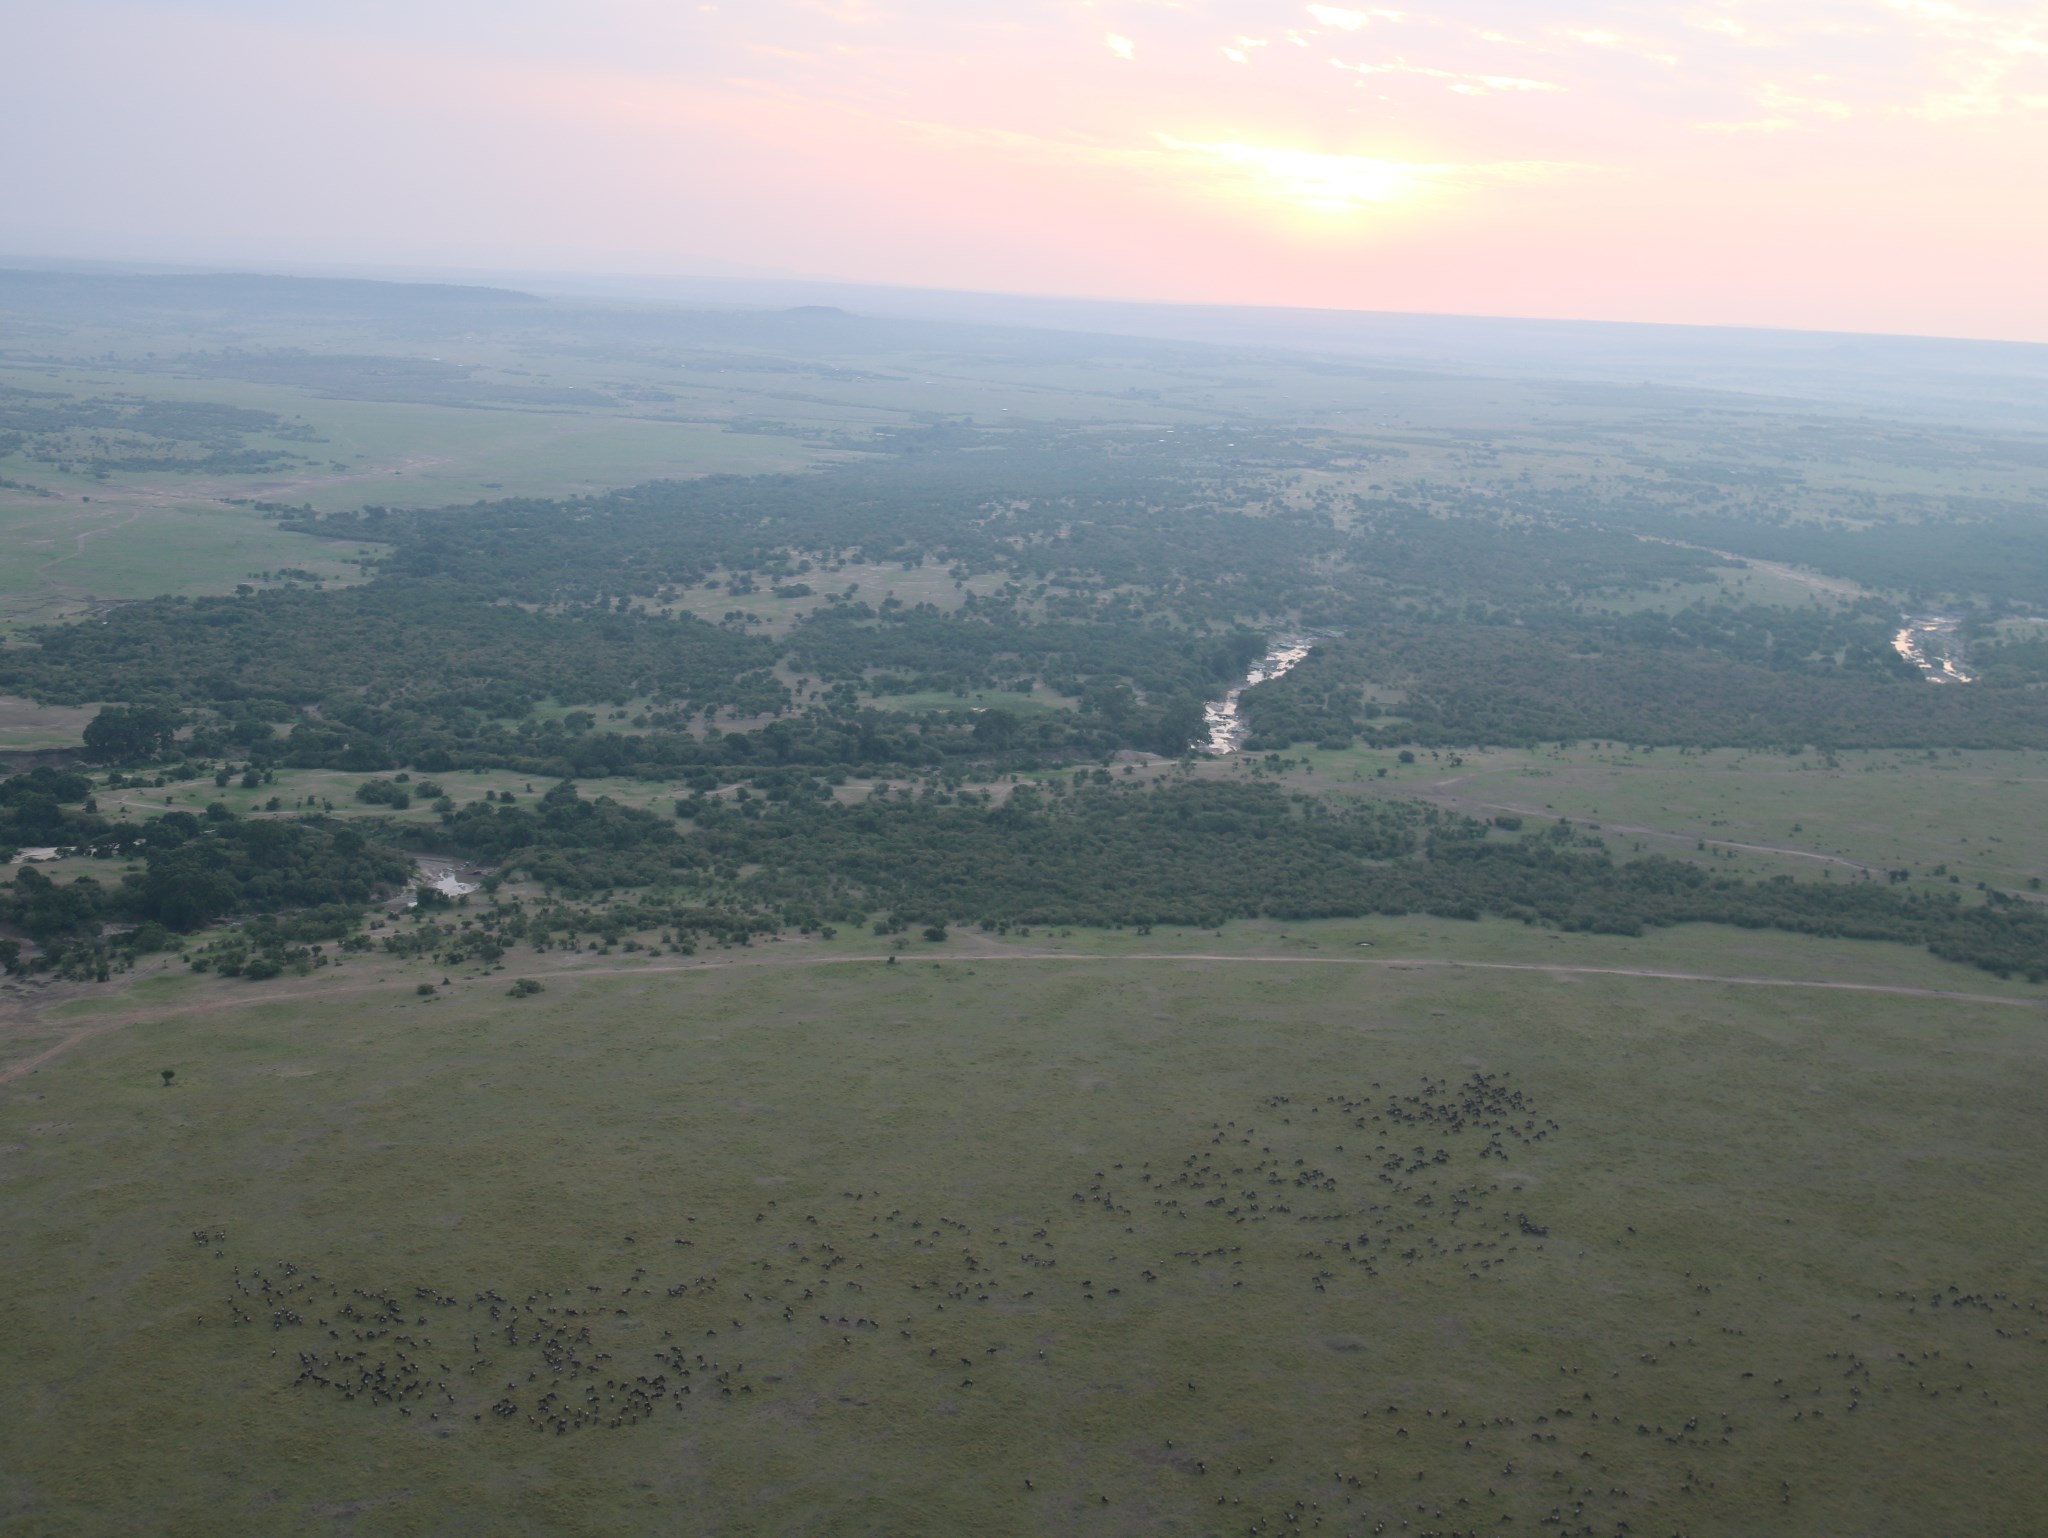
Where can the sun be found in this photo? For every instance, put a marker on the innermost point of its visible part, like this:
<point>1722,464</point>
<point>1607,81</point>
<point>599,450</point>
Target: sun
<point>1339,188</point>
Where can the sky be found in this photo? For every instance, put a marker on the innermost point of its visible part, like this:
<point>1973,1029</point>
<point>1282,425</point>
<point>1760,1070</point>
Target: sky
<point>1861,165</point>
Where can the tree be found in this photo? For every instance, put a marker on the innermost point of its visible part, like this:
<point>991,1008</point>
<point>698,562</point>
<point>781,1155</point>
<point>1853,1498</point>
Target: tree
<point>997,728</point>
<point>1182,722</point>
<point>169,1074</point>
<point>122,732</point>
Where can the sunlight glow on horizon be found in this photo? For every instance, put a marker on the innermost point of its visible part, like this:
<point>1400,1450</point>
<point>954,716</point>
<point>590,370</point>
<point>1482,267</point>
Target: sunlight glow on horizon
<point>1833,164</point>
<point>1340,185</point>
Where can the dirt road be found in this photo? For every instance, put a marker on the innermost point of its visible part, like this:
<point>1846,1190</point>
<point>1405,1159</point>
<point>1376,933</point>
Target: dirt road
<point>310,991</point>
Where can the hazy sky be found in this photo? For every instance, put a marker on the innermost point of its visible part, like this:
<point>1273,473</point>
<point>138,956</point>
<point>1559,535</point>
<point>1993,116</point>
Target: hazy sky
<point>1875,165</point>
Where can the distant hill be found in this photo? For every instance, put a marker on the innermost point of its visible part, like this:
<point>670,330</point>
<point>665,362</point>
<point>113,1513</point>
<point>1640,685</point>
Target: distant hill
<point>79,297</point>
<point>1949,377</point>
<point>1984,382</point>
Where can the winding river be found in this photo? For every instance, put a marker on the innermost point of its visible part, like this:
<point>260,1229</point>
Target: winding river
<point>1226,726</point>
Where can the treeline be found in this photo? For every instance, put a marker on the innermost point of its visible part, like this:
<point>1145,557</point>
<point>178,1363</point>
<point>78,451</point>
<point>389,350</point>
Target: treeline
<point>1196,854</point>
<point>1038,504</point>
<point>1138,578</point>
<point>33,813</point>
<point>1202,854</point>
<point>196,870</point>
<point>1997,551</point>
<point>983,647</point>
<point>98,434</point>
<point>569,843</point>
<point>1515,686</point>
<point>838,735</point>
<point>431,645</point>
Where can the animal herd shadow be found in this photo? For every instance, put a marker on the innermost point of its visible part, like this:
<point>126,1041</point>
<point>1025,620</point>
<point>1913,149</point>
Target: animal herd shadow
<point>1219,1291</point>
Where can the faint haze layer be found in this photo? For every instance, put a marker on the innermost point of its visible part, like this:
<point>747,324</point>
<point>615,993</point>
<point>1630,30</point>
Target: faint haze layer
<point>1984,382</point>
<point>1850,165</point>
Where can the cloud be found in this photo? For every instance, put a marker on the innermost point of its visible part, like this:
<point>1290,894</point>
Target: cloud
<point>1122,47</point>
<point>1761,125</point>
<point>1463,84</point>
<point>1345,19</point>
<point>1601,37</point>
<point>1783,109</point>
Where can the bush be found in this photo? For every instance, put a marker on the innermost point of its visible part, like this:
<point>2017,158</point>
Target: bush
<point>384,793</point>
<point>146,939</point>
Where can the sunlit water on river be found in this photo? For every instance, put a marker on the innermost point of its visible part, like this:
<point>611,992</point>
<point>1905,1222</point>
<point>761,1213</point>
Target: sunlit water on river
<point>1226,729</point>
<point>1912,644</point>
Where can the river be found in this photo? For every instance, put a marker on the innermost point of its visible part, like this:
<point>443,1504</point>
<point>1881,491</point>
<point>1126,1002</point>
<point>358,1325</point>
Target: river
<point>1925,643</point>
<point>444,876</point>
<point>1226,726</point>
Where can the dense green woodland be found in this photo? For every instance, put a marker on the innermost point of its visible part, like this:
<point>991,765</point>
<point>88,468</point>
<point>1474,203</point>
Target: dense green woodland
<point>1634,682</point>
<point>1131,575</point>
<point>1133,578</point>
<point>1202,854</point>
<point>195,871</point>
<point>1191,854</point>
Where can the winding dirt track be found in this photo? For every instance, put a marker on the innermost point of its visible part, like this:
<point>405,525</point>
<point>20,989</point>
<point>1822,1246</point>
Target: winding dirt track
<point>326,990</point>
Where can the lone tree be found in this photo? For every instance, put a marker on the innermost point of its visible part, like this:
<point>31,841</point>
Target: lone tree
<point>169,1074</point>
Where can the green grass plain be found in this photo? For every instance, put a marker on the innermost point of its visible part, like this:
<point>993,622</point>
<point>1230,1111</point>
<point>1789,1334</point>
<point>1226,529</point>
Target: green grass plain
<point>138,534</point>
<point>25,725</point>
<point>1979,813</point>
<point>1737,1319</point>
<point>63,559</point>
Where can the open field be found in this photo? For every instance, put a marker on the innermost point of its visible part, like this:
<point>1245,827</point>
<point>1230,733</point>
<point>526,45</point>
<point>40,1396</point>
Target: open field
<point>71,535</point>
<point>64,559</point>
<point>1979,814</point>
<point>25,725</point>
<point>1148,1246</point>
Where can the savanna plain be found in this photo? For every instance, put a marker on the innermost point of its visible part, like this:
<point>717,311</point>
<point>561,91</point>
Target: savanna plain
<point>781,922</point>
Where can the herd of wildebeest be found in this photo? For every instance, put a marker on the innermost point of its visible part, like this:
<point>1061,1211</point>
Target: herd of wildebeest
<point>1286,1259</point>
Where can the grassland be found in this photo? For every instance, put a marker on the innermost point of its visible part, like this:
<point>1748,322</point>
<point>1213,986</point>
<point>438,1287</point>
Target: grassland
<point>1975,816</point>
<point>73,535</point>
<point>25,725</point>
<point>1375,1226</point>
<point>64,559</point>
<point>1780,1272</point>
